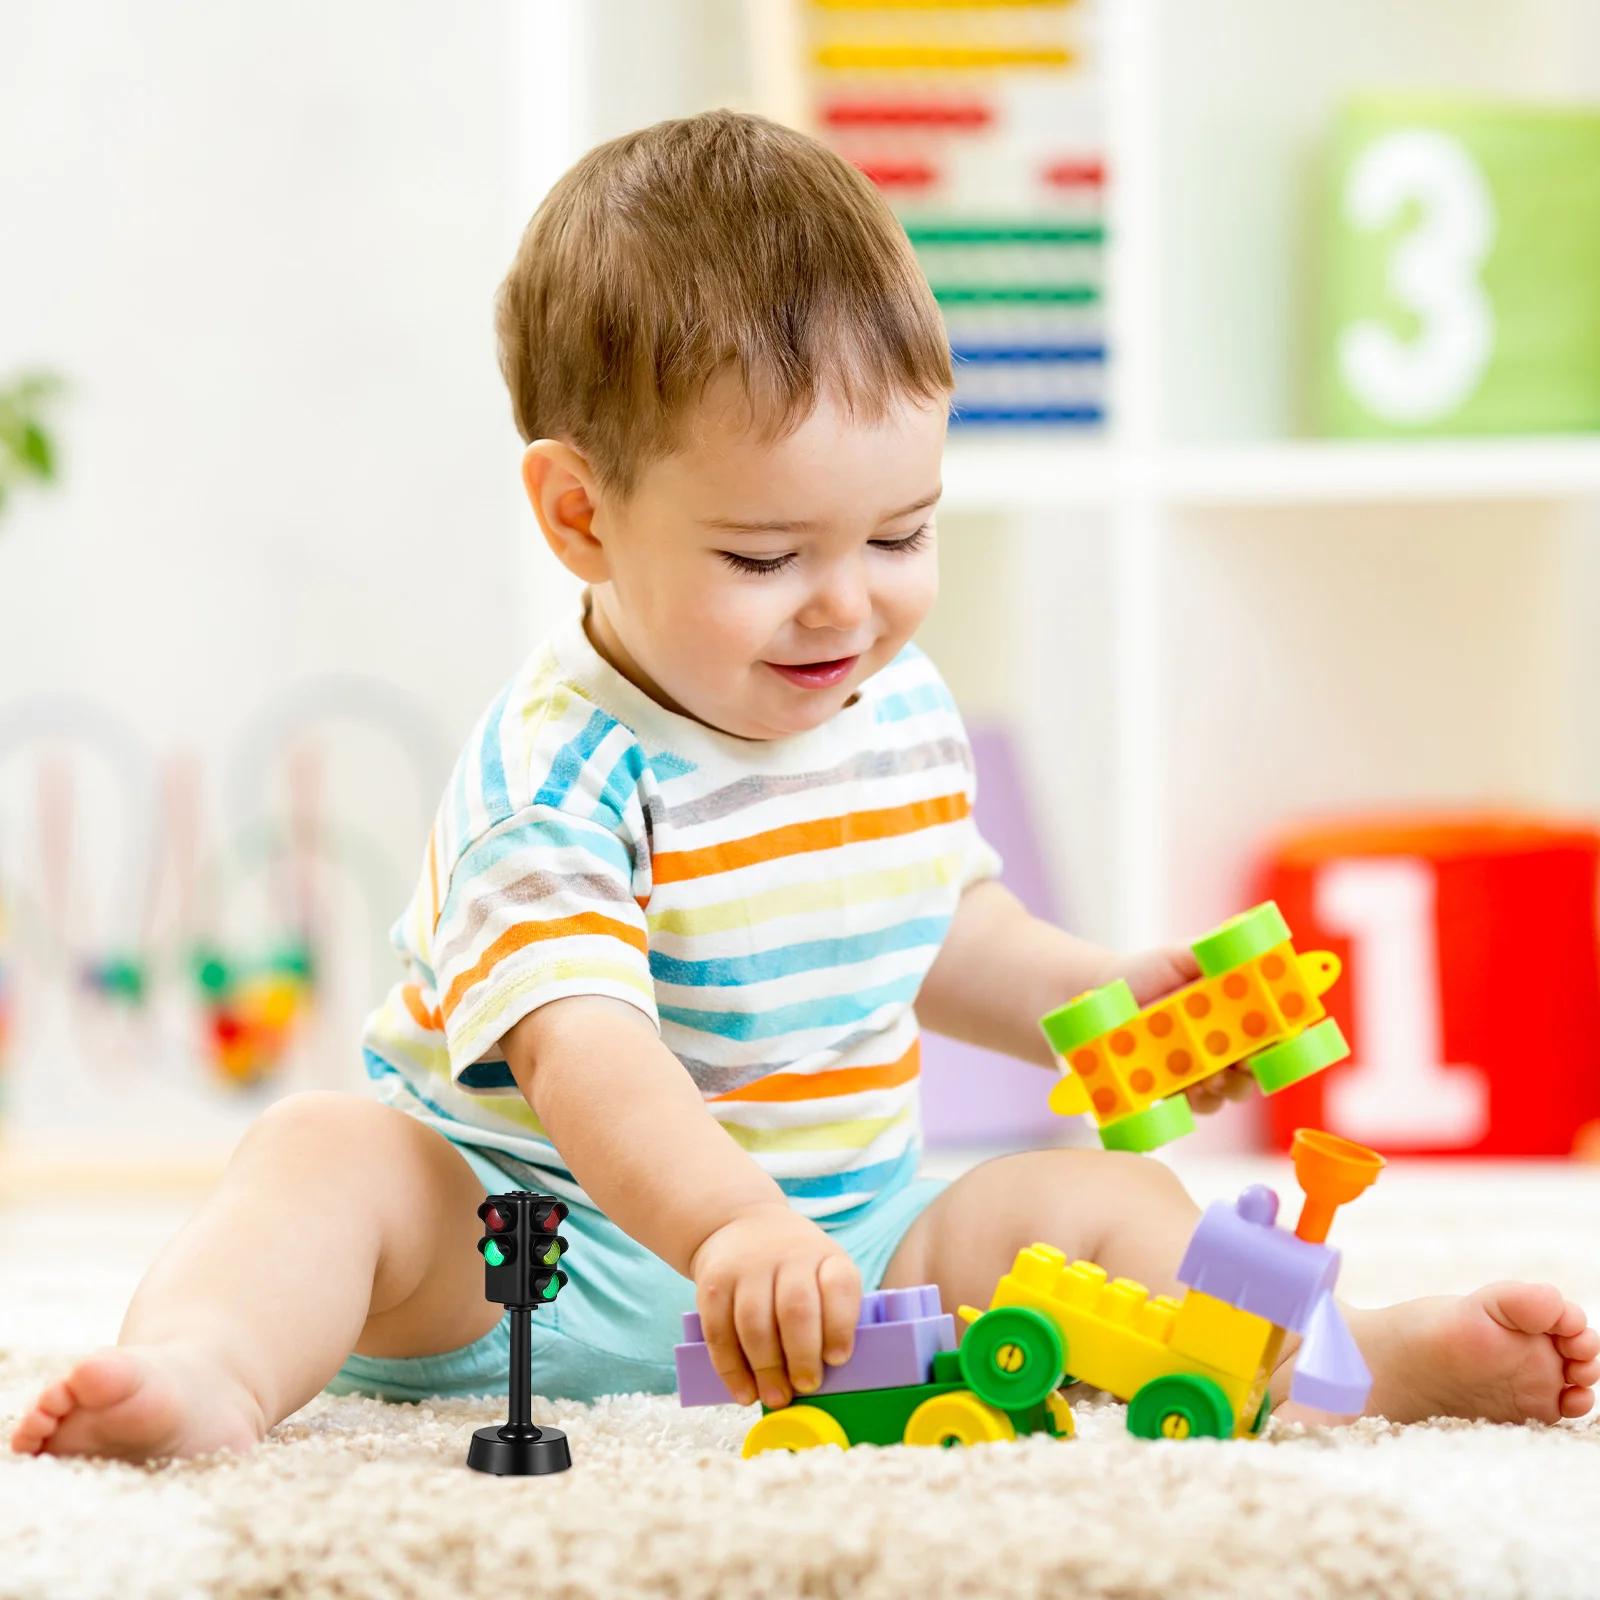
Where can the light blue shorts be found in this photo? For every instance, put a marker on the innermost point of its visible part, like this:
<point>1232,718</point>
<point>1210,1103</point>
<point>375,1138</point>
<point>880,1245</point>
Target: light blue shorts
<point>614,1326</point>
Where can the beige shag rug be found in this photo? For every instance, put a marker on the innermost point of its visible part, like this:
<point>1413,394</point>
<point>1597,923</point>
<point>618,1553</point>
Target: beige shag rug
<point>354,1498</point>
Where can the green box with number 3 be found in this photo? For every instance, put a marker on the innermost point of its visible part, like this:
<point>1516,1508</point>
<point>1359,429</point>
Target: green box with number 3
<point>1460,282</point>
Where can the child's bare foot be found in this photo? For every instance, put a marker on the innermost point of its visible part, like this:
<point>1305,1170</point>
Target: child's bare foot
<point>139,1402</point>
<point>1512,1352</point>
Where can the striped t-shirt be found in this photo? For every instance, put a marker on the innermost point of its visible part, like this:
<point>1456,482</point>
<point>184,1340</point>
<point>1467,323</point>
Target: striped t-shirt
<point>772,906</point>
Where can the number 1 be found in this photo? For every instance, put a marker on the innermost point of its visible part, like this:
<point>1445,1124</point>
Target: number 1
<point>1397,1090</point>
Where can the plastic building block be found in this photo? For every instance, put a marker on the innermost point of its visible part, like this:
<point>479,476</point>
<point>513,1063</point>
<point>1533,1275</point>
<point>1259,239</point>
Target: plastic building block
<point>898,1334</point>
<point>1221,1335</point>
<point>1257,1001</point>
<point>1328,1370</point>
<point>1238,1256</point>
<point>943,1412</point>
<point>1201,1366</point>
<point>1193,1368</point>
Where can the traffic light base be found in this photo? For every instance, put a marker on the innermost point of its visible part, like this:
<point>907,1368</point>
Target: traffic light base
<point>543,1450</point>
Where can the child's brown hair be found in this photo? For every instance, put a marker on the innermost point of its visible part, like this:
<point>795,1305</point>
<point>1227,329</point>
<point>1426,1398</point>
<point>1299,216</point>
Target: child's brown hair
<point>718,242</point>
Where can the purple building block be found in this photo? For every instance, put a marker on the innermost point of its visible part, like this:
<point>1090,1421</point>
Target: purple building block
<point>1237,1255</point>
<point>1328,1370</point>
<point>897,1336</point>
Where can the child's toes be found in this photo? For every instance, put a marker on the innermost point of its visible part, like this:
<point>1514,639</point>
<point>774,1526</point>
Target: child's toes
<point>1572,1323</point>
<point>1583,1373</point>
<point>1576,1402</point>
<point>1530,1308</point>
<point>1582,1346</point>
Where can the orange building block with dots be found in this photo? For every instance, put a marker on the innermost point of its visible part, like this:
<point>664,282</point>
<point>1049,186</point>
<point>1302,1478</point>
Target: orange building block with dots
<point>1257,1001</point>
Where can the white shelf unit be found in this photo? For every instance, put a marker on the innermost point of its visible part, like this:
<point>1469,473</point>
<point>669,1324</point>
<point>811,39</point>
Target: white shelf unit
<point>1204,623</point>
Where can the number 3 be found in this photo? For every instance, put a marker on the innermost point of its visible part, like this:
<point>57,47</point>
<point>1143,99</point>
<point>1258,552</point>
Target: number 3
<point>1433,272</point>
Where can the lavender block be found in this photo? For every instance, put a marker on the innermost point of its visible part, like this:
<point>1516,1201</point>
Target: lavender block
<point>1237,1255</point>
<point>1328,1370</point>
<point>897,1336</point>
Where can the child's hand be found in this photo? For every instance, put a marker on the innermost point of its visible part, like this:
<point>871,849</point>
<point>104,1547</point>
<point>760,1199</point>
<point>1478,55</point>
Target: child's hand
<point>777,1296</point>
<point>1153,973</point>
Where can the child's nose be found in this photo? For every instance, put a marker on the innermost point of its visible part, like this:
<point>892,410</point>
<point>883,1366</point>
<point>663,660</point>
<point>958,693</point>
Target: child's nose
<point>840,601</point>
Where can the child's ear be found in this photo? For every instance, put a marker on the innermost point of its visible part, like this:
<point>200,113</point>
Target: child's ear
<point>561,490</point>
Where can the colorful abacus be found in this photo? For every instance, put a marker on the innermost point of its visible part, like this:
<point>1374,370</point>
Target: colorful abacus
<point>976,119</point>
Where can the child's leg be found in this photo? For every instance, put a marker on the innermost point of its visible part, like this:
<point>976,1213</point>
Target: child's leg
<point>340,1225</point>
<point>1510,1352</point>
<point>1126,1212</point>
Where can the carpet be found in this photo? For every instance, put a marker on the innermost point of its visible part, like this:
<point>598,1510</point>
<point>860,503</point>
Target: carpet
<point>354,1498</point>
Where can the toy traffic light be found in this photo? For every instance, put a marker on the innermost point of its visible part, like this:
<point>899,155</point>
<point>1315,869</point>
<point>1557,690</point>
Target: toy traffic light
<point>520,1248</point>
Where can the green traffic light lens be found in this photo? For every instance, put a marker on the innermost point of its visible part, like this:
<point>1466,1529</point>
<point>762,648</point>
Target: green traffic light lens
<point>493,1254</point>
<point>552,1288</point>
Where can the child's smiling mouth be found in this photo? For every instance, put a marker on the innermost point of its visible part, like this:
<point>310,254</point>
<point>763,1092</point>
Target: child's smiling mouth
<point>815,674</point>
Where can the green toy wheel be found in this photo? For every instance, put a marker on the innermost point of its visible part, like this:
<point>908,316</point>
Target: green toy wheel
<point>1300,1057</point>
<point>1184,1406</point>
<point>1012,1358</point>
<point>1089,1016</point>
<point>1151,1128</point>
<point>1242,938</point>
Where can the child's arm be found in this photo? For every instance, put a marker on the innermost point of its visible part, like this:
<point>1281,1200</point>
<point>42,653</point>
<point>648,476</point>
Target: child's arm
<point>1000,969</point>
<point>776,1295</point>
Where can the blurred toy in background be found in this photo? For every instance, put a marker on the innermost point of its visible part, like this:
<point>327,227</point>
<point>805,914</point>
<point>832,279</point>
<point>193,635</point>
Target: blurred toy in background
<point>117,891</point>
<point>1198,1367</point>
<point>252,1013</point>
<point>1258,1000</point>
<point>981,125</point>
<point>1473,1006</point>
<point>1461,248</point>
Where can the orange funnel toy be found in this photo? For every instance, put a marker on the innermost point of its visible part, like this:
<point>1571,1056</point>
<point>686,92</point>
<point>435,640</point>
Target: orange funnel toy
<point>1332,1171</point>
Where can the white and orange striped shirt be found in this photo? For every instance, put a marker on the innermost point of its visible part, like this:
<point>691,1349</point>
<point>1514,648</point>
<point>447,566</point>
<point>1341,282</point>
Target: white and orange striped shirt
<point>772,907</point>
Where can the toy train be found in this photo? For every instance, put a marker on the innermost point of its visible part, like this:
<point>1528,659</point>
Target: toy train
<point>1257,1000</point>
<point>1195,1367</point>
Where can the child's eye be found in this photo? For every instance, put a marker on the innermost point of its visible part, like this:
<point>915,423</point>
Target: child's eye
<point>757,565</point>
<point>904,547</point>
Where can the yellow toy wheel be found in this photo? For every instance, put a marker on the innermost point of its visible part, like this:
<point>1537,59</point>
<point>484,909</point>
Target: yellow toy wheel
<point>1079,1021</point>
<point>795,1427</point>
<point>1240,939</point>
<point>957,1418</point>
<point>1061,1415</point>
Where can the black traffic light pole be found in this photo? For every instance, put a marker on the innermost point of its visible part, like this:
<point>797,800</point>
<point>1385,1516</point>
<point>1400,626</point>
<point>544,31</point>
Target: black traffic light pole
<point>520,1248</point>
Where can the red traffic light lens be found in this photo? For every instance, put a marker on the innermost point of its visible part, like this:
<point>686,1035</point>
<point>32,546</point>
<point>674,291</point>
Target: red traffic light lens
<point>550,1218</point>
<point>498,1220</point>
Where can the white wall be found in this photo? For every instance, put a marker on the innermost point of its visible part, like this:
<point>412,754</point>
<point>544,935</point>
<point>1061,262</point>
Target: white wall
<point>260,242</point>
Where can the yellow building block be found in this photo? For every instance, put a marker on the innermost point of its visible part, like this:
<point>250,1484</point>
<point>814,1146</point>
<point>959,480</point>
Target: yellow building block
<point>1115,1333</point>
<point>1195,1032</point>
<point>1220,1335</point>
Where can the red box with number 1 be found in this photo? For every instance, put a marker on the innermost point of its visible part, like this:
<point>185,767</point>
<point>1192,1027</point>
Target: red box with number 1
<point>1471,987</point>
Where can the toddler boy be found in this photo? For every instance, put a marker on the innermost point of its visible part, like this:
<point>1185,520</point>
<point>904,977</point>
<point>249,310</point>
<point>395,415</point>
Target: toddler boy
<point>697,864</point>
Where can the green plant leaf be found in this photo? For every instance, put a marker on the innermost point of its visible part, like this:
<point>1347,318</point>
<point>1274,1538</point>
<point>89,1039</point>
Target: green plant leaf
<point>36,451</point>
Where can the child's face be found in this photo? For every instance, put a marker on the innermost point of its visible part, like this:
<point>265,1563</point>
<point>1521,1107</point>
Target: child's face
<point>754,584</point>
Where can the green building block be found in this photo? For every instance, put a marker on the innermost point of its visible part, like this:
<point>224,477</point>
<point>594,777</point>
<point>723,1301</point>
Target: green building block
<point>1459,256</point>
<point>879,1416</point>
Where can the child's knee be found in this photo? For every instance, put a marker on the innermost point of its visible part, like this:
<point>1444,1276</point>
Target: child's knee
<point>321,1120</point>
